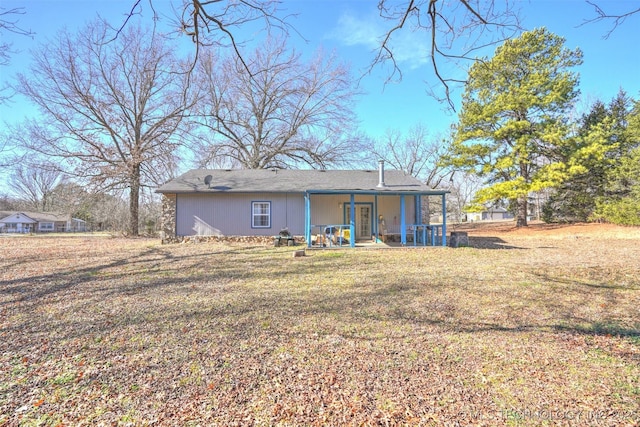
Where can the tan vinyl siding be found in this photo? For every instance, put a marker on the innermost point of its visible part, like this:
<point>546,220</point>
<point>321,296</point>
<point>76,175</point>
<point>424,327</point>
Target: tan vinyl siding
<point>329,209</point>
<point>231,214</point>
<point>389,208</point>
<point>325,209</point>
<point>332,210</point>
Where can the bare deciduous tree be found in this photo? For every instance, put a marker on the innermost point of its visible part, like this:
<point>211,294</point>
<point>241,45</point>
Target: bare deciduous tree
<point>281,113</point>
<point>101,211</point>
<point>111,112</point>
<point>455,30</point>
<point>463,188</point>
<point>417,154</point>
<point>34,183</point>
<point>7,203</point>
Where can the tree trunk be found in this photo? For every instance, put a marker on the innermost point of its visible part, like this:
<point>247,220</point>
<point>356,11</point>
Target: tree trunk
<point>521,217</point>
<point>521,203</point>
<point>134,201</point>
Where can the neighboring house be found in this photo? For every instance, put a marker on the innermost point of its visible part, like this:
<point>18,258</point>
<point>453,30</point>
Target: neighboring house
<point>365,204</point>
<point>37,222</point>
<point>490,214</point>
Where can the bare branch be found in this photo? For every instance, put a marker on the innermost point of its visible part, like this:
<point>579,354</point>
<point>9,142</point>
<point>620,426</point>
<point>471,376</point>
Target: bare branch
<point>128,17</point>
<point>214,22</point>
<point>281,113</point>
<point>9,23</point>
<point>473,11</point>
<point>111,112</point>
<point>455,32</point>
<point>434,49</point>
<point>415,153</point>
<point>202,18</point>
<point>385,52</point>
<point>601,15</point>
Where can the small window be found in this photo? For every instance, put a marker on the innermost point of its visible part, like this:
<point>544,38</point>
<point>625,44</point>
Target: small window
<point>46,226</point>
<point>261,214</point>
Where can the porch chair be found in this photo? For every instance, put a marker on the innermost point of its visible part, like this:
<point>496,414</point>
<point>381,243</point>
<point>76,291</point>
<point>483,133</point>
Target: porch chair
<point>346,235</point>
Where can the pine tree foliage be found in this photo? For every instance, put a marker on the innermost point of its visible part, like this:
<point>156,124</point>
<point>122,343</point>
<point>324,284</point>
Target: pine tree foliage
<point>621,203</point>
<point>512,120</point>
<point>603,142</point>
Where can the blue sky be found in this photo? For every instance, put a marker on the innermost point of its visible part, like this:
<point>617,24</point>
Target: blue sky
<point>350,28</point>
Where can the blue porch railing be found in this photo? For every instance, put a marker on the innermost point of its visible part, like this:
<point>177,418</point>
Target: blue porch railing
<point>414,234</point>
<point>426,234</point>
<point>339,235</point>
<point>332,235</point>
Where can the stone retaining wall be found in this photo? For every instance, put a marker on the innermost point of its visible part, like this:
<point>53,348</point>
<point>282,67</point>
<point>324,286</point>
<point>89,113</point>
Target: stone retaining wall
<point>168,218</point>
<point>258,240</point>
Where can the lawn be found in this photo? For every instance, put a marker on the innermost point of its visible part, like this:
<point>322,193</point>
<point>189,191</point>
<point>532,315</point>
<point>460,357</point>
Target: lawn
<point>535,327</point>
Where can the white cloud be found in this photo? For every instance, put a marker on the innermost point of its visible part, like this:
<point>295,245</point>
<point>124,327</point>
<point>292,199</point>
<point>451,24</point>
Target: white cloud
<point>352,31</point>
<point>410,48</point>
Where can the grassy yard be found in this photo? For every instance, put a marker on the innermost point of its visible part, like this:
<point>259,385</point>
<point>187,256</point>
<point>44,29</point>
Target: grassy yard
<point>537,327</point>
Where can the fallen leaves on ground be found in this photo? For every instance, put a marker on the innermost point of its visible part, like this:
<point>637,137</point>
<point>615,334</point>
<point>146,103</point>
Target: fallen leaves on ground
<point>523,328</point>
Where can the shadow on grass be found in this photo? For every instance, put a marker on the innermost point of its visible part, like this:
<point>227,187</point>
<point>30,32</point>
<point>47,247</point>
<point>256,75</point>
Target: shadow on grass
<point>152,261</point>
<point>634,284</point>
<point>606,328</point>
<point>221,294</point>
<point>490,243</point>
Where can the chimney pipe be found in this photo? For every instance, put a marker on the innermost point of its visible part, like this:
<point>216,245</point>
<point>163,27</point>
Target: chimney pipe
<point>381,183</point>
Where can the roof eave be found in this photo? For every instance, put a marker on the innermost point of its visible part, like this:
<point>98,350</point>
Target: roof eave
<point>381,192</point>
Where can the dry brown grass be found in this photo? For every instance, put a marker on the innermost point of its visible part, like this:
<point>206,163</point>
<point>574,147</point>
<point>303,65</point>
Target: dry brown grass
<point>527,327</point>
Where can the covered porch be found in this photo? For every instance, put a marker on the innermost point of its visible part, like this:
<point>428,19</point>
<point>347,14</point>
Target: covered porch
<point>385,217</point>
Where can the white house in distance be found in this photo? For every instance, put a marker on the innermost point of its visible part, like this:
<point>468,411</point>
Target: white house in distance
<point>352,205</point>
<point>493,213</point>
<point>39,222</point>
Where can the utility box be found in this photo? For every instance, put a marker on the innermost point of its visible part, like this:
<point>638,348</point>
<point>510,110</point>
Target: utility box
<point>459,239</point>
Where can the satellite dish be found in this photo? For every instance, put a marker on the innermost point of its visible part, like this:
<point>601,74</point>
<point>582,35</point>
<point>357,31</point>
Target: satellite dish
<point>207,180</point>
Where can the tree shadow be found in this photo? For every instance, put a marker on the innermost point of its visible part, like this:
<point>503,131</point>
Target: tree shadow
<point>157,271</point>
<point>490,243</point>
<point>152,260</point>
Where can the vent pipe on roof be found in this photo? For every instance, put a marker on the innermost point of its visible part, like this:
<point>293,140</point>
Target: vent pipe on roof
<point>381,174</point>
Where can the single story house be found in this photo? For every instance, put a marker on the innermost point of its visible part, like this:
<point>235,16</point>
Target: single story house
<point>493,213</point>
<point>325,207</point>
<point>38,222</point>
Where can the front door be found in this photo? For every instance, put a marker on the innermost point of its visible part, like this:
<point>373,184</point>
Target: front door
<point>363,220</point>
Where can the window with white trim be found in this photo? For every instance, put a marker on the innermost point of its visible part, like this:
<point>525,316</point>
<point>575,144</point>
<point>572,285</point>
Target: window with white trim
<point>260,214</point>
<point>45,226</point>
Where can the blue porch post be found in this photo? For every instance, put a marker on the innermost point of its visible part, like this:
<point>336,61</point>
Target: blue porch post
<point>418,218</point>
<point>376,233</point>
<point>403,226</point>
<point>307,219</point>
<point>444,220</point>
<point>352,221</point>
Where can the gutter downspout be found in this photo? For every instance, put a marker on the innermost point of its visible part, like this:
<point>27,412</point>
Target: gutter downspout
<point>444,220</point>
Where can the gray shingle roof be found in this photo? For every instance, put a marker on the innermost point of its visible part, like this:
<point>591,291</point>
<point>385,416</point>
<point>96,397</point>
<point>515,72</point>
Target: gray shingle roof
<point>38,216</point>
<point>291,181</point>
